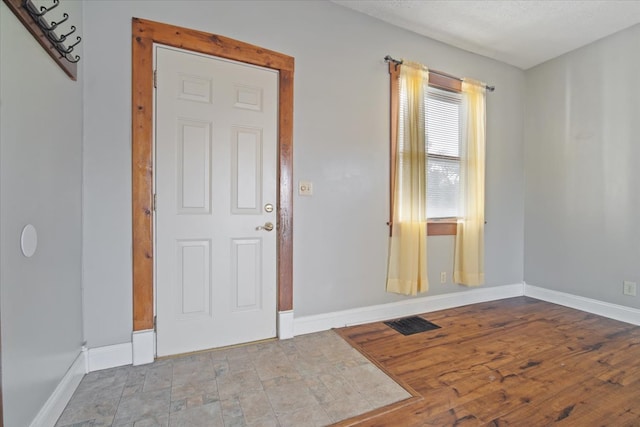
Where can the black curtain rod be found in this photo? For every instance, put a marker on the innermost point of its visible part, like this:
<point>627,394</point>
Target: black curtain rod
<point>388,58</point>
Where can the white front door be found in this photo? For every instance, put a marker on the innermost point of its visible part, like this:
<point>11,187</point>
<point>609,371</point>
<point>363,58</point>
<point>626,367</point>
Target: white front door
<point>216,152</point>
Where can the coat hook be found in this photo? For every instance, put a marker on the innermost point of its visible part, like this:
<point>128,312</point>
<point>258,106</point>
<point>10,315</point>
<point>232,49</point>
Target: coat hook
<point>53,24</point>
<point>78,40</point>
<point>72,58</point>
<point>73,30</point>
<point>52,36</point>
<point>43,10</point>
<point>69,49</point>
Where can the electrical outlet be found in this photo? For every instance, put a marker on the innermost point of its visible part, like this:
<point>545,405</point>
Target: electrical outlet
<point>443,277</point>
<point>629,288</point>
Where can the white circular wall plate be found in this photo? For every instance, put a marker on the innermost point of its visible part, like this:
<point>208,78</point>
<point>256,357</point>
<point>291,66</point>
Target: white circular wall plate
<point>29,240</point>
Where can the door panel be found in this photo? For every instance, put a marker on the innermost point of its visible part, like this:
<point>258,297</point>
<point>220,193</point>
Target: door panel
<point>194,167</point>
<point>246,173</point>
<point>193,290</point>
<point>216,148</point>
<point>246,278</point>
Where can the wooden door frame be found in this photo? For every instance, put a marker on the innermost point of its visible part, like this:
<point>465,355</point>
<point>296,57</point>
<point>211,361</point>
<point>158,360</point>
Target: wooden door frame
<point>144,34</point>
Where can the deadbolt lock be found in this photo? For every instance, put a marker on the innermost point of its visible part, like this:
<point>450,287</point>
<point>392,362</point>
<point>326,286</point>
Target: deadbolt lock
<point>268,207</point>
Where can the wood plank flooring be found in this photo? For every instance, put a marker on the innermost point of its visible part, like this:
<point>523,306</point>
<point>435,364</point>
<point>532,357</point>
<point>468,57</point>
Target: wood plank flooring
<point>513,362</point>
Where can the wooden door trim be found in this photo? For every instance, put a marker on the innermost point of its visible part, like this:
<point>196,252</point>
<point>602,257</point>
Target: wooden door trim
<point>144,34</point>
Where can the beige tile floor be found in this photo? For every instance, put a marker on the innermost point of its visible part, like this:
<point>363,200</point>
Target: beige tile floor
<point>311,380</point>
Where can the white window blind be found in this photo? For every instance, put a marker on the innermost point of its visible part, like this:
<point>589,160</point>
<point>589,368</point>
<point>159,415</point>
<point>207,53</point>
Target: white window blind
<point>442,110</point>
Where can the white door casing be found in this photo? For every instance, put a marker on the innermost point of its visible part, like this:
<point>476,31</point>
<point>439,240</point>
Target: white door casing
<point>215,154</point>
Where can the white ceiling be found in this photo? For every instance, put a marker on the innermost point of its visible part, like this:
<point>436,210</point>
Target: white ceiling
<point>521,33</point>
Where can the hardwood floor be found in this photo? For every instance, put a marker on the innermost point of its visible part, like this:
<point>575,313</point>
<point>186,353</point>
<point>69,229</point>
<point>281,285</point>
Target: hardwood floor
<point>513,362</point>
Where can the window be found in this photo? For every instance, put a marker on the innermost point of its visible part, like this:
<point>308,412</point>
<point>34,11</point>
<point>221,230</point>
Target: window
<point>443,153</point>
<point>443,116</point>
<point>443,142</point>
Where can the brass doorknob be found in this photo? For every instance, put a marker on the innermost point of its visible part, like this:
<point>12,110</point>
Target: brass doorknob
<point>268,226</point>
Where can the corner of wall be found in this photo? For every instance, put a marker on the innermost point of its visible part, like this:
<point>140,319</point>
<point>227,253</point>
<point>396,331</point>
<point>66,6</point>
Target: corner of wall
<point>55,404</point>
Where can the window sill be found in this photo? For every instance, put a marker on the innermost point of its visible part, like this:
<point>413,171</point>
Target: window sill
<point>442,227</point>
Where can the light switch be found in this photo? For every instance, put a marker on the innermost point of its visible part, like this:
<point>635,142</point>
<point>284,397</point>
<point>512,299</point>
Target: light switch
<point>305,188</point>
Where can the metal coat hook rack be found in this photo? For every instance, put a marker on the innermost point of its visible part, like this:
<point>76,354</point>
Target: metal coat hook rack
<point>51,30</point>
<point>48,28</point>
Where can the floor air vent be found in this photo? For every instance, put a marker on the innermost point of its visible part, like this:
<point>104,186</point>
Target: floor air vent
<point>411,325</point>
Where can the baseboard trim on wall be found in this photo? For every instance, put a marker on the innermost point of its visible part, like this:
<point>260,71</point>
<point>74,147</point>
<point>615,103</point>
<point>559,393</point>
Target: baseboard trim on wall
<point>601,308</point>
<point>144,347</point>
<point>337,319</point>
<point>285,324</point>
<point>53,407</point>
<point>109,356</point>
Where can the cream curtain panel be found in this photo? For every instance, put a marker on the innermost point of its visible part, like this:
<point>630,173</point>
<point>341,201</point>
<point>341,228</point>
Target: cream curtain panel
<point>468,268</point>
<point>407,270</point>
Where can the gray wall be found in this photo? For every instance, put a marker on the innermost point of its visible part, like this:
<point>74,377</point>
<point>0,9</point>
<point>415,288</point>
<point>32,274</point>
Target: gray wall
<point>340,143</point>
<point>582,145</point>
<point>40,183</point>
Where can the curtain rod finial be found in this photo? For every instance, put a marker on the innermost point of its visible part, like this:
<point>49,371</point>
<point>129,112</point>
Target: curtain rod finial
<point>388,58</point>
<point>397,62</point>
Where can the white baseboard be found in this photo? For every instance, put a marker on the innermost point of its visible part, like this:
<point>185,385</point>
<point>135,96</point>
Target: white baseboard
<point>53,407</point>
<point>376,313</point>
<point>144,347</point>
<point>285,324</point>
<point>109,356</point>
<point>601,308</point>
